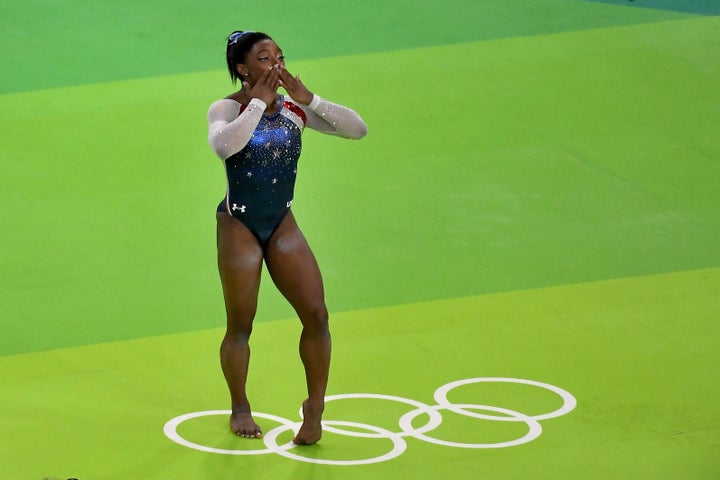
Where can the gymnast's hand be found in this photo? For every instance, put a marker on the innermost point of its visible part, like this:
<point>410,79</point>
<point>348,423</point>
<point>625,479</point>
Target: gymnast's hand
<point>266,87</point>
<point>295,88</point>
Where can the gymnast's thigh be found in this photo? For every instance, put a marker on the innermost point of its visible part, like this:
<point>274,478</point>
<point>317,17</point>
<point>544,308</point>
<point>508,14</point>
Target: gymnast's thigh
<point>294,269</point>
<point>240,260</point>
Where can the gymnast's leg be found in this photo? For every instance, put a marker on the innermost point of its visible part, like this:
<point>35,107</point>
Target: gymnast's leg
<point>240,264</point>
<point>295,272</point>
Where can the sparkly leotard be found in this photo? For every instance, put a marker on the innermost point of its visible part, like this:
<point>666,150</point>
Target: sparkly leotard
<point>261,176</point>
<point>260,153</point>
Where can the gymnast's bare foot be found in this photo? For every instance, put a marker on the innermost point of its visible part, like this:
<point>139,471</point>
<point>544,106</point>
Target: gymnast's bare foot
<point>243,425</point>
<point>311,429</point>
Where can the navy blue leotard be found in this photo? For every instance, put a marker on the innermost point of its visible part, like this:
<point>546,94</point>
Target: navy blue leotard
<point>261,176</point>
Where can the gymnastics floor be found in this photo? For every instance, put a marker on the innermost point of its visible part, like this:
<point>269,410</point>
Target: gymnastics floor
<point>521,258</point>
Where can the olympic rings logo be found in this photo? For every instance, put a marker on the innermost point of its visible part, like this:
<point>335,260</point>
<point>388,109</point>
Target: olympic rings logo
<point>405,423</point>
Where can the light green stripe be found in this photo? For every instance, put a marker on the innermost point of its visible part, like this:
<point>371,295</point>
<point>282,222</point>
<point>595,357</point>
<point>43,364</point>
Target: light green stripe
<point>639,354</point>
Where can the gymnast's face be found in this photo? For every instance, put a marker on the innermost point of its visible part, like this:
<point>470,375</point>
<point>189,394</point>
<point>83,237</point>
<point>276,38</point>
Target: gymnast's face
<point>264,55</point>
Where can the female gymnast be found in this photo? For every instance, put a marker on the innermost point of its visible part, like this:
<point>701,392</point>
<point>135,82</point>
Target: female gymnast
<point>257,133</point>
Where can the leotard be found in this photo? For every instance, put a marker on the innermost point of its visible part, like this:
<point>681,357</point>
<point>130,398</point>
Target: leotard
<point>260,153</point>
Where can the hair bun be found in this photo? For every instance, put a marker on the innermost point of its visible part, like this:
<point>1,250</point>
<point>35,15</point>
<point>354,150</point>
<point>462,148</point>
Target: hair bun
<point>237,35</point>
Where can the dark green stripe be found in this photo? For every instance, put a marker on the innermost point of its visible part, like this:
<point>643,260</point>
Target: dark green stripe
<point>697,7</point>
<point>49,44</point>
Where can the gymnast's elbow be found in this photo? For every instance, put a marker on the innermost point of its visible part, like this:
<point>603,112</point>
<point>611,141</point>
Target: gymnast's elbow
<point>357,132</point>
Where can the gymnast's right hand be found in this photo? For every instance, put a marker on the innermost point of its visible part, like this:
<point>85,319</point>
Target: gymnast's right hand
<point>266,87</point>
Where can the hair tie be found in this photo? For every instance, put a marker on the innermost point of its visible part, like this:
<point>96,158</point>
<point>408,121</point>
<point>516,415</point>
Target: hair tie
<point>233,39</point>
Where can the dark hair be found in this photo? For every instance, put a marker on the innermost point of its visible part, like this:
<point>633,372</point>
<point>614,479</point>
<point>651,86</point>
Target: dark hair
<point>239,44</point>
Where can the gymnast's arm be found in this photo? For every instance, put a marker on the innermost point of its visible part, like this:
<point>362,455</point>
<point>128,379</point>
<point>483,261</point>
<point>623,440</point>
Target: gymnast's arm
<point>228,132</point>
<point>334,119</point>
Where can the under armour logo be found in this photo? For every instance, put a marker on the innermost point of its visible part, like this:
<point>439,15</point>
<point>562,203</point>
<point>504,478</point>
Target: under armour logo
<point>241,208</point>
<point>289,204</point>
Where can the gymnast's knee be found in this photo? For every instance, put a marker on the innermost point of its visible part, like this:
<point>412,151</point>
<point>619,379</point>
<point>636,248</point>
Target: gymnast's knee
<point>239,327</point>
<point>315,320</point>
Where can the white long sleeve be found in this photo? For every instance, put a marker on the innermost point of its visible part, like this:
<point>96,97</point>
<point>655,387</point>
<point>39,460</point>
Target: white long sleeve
<point>334,119</point>
<point>228,132</point>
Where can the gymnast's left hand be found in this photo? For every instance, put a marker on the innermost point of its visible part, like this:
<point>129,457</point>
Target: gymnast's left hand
<point>295,88</point>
